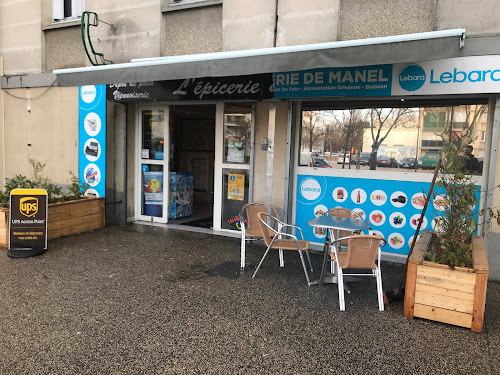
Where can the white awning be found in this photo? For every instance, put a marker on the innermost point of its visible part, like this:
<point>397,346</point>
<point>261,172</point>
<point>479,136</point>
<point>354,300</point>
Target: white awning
<point>385,50</point>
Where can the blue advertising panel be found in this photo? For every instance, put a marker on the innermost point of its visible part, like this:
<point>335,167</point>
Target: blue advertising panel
<point>371,80</point>
<point>392,207</point>
<point>92,138</point>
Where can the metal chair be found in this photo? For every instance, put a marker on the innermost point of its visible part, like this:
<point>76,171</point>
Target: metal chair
<point>338,212</point>
<point>363,252</point>
<point>271,226</point>
<point>250,228</point>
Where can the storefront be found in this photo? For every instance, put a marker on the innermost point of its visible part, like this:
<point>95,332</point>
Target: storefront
<point>197,115</point>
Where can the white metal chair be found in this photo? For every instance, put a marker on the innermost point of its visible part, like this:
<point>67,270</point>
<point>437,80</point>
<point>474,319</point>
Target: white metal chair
<point>250,228</point>
<point>271,226</point>
<point>363,252</point>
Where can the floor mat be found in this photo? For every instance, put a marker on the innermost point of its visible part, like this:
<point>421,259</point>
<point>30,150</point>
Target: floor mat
<point>206,222</point>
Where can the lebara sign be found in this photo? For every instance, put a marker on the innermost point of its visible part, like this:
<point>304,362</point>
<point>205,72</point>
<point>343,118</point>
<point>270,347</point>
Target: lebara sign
<point>461,75</point>
<point>411,77</point>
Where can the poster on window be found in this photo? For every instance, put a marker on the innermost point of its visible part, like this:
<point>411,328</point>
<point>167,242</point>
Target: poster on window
<point>236,187</point>
<point>236,150</point>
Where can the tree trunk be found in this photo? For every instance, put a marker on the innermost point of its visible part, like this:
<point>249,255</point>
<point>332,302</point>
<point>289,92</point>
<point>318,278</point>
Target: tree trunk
<point>373,157</point>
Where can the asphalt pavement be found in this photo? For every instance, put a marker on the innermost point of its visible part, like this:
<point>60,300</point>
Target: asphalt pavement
<point>139,299</point>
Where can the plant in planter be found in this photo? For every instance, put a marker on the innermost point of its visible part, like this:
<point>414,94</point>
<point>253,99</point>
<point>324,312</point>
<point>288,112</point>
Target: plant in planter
<point>69,211</point>
<point>448,269</point>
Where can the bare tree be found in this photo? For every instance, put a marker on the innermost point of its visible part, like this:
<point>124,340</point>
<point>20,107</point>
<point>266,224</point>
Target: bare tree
<point>311,131</point>
<point>382,119</point>
<point>351,124</point>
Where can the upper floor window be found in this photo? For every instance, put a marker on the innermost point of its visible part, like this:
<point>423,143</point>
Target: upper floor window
<point>67,9</point>
<point>184,4</point>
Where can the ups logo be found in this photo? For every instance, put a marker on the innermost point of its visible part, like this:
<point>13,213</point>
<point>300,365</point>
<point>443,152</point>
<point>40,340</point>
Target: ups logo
<point>28,206</point>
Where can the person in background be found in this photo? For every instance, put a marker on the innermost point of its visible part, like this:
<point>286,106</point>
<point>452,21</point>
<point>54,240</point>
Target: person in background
<point>471,164</point>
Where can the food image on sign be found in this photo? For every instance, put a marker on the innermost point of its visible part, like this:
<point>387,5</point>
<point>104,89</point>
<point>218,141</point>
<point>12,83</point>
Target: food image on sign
<point>320,210</point>
<point>360,212</point>
<point>378,197</point>
<point>397,220</point>
<point>396,240</point>
<point>440,202</point>
<point>398,199</point>
<point>339,194</point>
<point>415,219</point>
<point>377,217</point>
<point>418,200</point>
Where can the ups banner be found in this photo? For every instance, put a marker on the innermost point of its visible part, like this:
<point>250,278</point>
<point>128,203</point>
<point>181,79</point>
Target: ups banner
<point>27,222</point>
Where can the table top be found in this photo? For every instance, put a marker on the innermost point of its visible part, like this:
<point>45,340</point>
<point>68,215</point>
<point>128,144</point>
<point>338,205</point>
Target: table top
<point>335,222</point>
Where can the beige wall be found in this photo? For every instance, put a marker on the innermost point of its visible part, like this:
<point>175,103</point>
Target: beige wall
<point>248,24</point>
<point>477,17</point>
<point>2,132</point>
<point>368,19</point>
<point>64,48</point>
<point>21,36</point>
<point>135,32</point>
<point>190,31</point>
<point>45,128</point>
<point>306,22</point>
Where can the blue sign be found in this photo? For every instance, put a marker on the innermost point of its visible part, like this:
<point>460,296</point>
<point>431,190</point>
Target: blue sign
<point>373,80</point>
<point>411,77</point>
<point>92,138</point>
<point>393,207</point>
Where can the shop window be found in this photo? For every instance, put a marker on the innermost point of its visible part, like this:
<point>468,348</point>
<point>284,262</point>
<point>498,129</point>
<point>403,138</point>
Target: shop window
<point>388,139</point>
<point>67,9</point>
<point>237,133</point>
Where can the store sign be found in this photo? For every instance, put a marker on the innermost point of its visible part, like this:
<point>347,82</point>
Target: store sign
<point>392,207</point>
<point>92,138</point>
<point>252,87</point>
<point>461,75</point>
<point>27,222</point>
<point>354,81</point>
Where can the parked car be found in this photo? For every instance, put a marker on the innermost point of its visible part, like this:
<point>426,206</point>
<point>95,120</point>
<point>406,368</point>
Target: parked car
<point>385,161</point>
<point>420,161</point>
<point>321,162</point>
<point>306,159</point>
<point>407,163</point>
<point>364,158</point>
<point>342,160</point>
<point>430,160</point>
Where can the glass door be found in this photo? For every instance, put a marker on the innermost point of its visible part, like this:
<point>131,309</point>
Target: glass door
<point>234,145</point>
<point>151,198</point>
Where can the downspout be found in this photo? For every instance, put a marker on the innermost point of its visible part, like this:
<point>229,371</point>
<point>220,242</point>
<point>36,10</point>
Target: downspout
<point>275,37</point>
<point>125,182</point>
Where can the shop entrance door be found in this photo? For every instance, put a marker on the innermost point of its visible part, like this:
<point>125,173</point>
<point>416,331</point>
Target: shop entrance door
<point>152,152</point>
<point>234,141</point>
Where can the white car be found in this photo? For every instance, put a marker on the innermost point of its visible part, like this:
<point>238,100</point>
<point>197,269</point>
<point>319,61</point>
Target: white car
<point>345,160</point>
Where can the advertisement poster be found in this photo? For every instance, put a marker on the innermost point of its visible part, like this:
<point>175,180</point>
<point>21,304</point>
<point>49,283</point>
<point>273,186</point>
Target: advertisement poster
<point>236,150</point>
<point>392,207</point>
<point>92,138</point>
<point>236,187</point>
<point>27,222</point>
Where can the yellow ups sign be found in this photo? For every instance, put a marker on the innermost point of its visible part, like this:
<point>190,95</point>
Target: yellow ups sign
<point>27,223</point>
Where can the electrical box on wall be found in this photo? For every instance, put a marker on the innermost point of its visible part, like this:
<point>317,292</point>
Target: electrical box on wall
<point>264,143</point>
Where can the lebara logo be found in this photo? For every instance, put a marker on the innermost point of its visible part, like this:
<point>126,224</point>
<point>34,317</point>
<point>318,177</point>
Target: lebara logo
<point>310,189</point>
<point>88,93</point>
<point>411,77</point>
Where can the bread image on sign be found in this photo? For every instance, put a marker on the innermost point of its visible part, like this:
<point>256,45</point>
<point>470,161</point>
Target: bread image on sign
<point>28,206</point>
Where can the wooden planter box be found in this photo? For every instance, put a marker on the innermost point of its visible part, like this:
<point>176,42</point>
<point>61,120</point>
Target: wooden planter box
<point>64,218</point>
<point>436,292</point>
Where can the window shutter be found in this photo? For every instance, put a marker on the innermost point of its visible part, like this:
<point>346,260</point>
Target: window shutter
<point>57,9</point>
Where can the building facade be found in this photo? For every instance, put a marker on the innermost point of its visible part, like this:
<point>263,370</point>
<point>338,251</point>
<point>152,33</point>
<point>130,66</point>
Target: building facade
<point>202,112</point>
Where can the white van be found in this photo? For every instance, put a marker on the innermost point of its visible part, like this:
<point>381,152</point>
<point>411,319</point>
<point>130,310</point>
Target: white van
<point>306,159</point>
